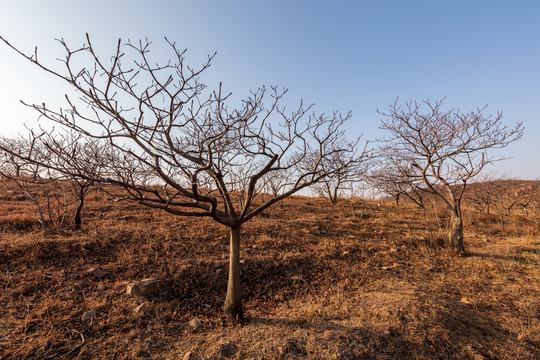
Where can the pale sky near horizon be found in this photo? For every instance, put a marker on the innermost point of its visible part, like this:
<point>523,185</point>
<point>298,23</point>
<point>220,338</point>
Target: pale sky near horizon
<point>340,55</point>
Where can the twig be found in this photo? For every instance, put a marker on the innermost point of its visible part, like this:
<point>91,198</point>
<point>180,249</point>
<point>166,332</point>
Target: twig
<point>78,346</point>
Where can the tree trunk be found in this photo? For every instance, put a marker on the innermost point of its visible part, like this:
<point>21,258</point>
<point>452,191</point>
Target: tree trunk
<point>233,300</point>
<point>396,200</point>
<point>78,220</point>
<point>456,232</point>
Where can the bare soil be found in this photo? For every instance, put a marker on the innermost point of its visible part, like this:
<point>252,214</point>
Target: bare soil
<point>353,281</point>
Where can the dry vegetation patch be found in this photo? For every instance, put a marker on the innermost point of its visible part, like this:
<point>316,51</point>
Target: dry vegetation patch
<point>349,281</point>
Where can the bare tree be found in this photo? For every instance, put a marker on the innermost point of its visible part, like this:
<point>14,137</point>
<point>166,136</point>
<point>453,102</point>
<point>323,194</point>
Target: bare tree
<point>43,189</point>
<point>352,167</point>
<point>40,153</point>
<point>179,148</point>
<point>507,194</point>
<point>481,194</point>
<point>448,148</point>
<point>86,156</point>
<point>394,175</point>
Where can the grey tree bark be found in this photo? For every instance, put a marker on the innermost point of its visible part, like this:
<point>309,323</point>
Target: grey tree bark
<point>233,299</point>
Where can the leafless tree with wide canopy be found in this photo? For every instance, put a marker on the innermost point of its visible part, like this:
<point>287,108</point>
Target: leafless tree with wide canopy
<point>447,148</point>
<point>173,145</point>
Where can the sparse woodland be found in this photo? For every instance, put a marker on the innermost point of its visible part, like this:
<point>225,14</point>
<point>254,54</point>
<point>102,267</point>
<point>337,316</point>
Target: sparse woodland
<point>247,222</point>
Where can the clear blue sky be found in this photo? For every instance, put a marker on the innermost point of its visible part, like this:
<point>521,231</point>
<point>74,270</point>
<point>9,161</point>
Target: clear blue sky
<point>341,55</point>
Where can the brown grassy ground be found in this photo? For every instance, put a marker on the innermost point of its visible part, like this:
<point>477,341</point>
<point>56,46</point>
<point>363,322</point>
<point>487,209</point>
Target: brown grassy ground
<point>320,282</point>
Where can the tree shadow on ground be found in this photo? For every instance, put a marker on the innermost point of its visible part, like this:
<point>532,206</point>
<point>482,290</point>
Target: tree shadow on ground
<point>513,258</point>
<point>432,327</point>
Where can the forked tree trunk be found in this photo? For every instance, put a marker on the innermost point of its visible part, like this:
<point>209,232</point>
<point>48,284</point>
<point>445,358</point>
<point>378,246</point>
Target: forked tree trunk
<point>233,300</point>
<point>456,233</point>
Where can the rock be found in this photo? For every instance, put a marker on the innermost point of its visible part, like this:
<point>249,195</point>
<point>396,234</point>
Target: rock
<point>99,273</point>
<point>89,315</point>
<point>464,300</point>
<point>145,287</point>
<point>227,350</point>
<point>195,324</point>
<point>390,331</point>
<point>189,356</point>
<point>385,268</point>
<point>345,253</point>
<point>143,308</point>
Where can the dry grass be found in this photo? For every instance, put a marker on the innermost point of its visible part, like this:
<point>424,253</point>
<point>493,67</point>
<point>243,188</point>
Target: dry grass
<point>320,282</point>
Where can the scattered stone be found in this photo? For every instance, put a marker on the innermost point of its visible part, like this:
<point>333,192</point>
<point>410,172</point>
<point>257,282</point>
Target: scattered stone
<point>89,315</point>
<point>464,300</point>
<point>228,350</point>
<point>242,261</point>
<point>195,324</point>
<point>143,308</point>
<point>523,336</point>
<point>189,356</point>
<point>324,232</point>
<point>99,273</point>
<point>390,331</point>
<point>393,250</point>
<point>145,287</point>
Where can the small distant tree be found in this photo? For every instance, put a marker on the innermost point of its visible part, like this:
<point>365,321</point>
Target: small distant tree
<point>86,156</point>
<point>481,194</point>
<point>447,148</point>
<point>509,194</point>
<point>182,149</point>
<point>351,168</point>
<point>38,154</point>
<point>395,177</point>
<point>40,187</point>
